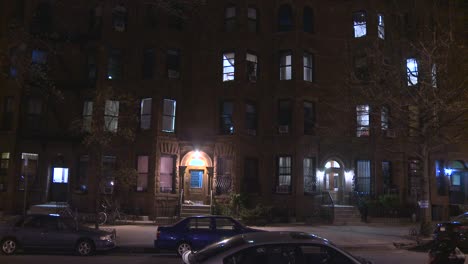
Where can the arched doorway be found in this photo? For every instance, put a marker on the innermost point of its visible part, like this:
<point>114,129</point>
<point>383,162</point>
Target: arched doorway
<point>334,180</point>
<point>196,179</point>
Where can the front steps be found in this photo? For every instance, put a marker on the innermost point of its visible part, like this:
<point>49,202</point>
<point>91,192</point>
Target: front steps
<point>346,215</point>
<point>194,209</point>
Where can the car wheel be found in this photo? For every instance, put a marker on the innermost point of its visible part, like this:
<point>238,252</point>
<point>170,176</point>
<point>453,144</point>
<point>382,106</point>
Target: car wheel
<point>84,247</point>
<point>182,247</point>
<point>9,246</point>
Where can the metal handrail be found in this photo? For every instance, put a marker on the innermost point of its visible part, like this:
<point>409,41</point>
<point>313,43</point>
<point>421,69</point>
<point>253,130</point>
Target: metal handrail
<point>181,201</point>
<point>211,202</point>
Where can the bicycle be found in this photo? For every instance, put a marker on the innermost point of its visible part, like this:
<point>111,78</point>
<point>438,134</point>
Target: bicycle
<point>110,215</point>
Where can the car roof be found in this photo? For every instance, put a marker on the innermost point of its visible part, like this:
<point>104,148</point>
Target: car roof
<point>283,236</point>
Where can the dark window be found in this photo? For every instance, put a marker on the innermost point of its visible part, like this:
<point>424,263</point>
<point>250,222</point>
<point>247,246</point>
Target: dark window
<point>145,113</point>
<point>284,116</point>
<point>42,19</point>
<point>176,16</point>
<point>284,174</point>
<point>308,20</point>
<point>150,17</point>
<point>251,183</point>
<point>308,64</point>
<point>142,178</point>
<point>169,115</point>
<point>81,184</point>
<point>148,63</point>
<point>226,122</point>
<point>252,16</point>
<point>29,163</point>
<point>223,175</point>
<point>166,174</point>
<point>252,67</point>
<point>361,69</point>
<point>384,118</point>
<point>387,176</point>
<point>4,165</point>
<point>8,113</point>
<point>108,174</point>
<point>119,18</point>
<point>251,118</point>
<point>230,18</point>
<point>285,18</point>
<point>309,118</point>
<point>440,178</point>
<point>34,113</point>
<point>39,57</point>
<point>173,64</point>
<point>114,65</point>
<point>414,178</point>
<point>92,66</point>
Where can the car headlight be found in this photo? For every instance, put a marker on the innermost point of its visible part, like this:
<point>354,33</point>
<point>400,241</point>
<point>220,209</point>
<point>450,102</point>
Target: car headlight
<point>106,237</point>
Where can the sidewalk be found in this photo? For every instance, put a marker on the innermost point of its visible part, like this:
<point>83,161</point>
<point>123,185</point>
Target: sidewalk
<point>138,236</point>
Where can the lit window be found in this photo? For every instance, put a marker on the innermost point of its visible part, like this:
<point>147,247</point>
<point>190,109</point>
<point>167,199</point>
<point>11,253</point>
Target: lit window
<point>196,179</point>
<point>362,115</point>
<point>308,67</point>
<point>145,113</point>
<point>412,71</point>
<point>360,24</point>
<point>60,175</point>
<point>285,65</point>
<point>87,115</point>
<point>251,67</point>
<point>4,165</point>
<point>284,174</point>
<point>111,116</point>
<point>119,18</point>
<point>380,26</point>
<point>434,75</point>
<point>142,178</point>
<point>230,19</point>
<point>228,66</point>
<point>169,116</point>
<point>252,19</point>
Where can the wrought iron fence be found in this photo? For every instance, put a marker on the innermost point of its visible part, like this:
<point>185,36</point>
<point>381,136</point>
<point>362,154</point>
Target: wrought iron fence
<point>166,214</point>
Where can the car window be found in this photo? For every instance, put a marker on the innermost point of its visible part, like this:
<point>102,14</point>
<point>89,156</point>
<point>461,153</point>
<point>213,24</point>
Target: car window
<point>224,224</point>
<point>32,222</point>
<point>271,254</point>
<point>199,224</point>
<point>50,223</point>
<point>323,254</point>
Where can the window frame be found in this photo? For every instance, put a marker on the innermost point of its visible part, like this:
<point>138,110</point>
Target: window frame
<point>230,18</point>
<point>366,187</point>
<point>363,120</point>
<point>384,118</point>
<point>308,67</point>
<point>285,67</point>
<point>412,72</point>
<point>145,116</point>
<point>149,63</point>
<point>111,115</point>
<point>171,116</point>
<point>284,172</point>
<point>8,113</point>
<point>285,18</point>
<point>169,174</point>
<point>309,121</point>
<point>308,19</point>
<point>115,64</point>
<point>251,66</point>
<point>251,118</point>
<point>252,22</point>
<point>142,173</point>
<point>226,116</point>
<point>285,112</point>
<point>5,159</point>
<point>87,116</point>
<point>173,63</point>
<point>381,26</point>
<point>229,75</point>
<point>360,24</point>
<point>309,175</point>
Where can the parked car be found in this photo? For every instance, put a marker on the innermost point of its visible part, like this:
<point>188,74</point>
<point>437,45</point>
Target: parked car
<point>455,230</point>
<point>196,232</point>
<point>278,247</point>
<point>52,232</point>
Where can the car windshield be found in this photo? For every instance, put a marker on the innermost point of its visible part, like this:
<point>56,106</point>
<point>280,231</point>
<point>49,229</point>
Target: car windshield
<point>217,248</point>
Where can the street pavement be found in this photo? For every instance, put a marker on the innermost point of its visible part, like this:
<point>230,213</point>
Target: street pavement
<point>138,237</point>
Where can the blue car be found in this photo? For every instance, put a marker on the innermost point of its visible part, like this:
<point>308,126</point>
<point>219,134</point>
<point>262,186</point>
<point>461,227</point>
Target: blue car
<point>196,232</point>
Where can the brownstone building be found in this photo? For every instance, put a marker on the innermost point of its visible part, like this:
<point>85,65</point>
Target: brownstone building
<point>232,97</point>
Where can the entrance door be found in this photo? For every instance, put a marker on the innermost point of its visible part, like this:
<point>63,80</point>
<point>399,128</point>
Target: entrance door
<point>334,181</point>
<point>59,184</point>
<point>196,186</point>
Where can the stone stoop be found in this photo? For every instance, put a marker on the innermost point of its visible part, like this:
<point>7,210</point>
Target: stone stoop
<point>347,215</point>
<point>194,209</point>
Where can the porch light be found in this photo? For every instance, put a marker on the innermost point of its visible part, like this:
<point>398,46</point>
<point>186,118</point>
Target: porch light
<point>448,172</point>
<point>196,159</point>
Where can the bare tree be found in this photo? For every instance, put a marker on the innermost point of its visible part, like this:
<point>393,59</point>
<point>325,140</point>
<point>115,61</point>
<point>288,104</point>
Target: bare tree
<point>419,82</point>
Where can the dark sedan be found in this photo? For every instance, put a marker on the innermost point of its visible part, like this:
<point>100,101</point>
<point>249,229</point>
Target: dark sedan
<point>455,230</point>
<point>196,232</point>
<point>52,232</point>
<point>278,247</point>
